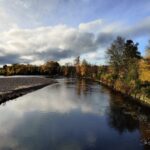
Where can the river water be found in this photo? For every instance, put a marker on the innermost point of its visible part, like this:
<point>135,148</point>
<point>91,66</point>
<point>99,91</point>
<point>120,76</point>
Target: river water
<point>73,115</point>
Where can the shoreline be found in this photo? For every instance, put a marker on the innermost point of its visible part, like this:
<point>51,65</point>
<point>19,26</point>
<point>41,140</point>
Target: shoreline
<point>140,101</point>
<point>16,87</point>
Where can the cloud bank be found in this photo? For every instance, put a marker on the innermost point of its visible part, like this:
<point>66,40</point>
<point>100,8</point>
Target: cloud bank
<point>59,42</point>
<point>34,31</point>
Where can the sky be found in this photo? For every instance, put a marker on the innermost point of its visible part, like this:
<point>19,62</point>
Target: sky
<point>35,31</point>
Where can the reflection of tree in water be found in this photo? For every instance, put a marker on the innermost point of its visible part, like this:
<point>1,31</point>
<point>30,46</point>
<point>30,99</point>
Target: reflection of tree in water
<point>83,87</point>
<point>145,132</point>
<point>120,120</point>
<point>125,115</point>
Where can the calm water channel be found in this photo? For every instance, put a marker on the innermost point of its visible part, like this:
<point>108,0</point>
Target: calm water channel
<point>73,115</point>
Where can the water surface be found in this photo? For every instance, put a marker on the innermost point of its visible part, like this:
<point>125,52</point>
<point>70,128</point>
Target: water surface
<point>73,115</point>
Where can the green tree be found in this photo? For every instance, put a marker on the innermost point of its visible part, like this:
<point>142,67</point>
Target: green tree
<point>131,56</point>
<point>131,50</point>
<point>115,54</point>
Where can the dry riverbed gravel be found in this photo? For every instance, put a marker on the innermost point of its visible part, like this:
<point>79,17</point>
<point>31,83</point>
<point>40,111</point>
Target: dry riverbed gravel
<point>12,87</point>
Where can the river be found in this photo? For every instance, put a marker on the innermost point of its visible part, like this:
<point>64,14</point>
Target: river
<point>73,115</point>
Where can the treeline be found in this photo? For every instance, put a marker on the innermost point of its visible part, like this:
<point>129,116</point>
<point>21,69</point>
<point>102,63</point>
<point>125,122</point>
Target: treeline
<point>127,71</point>
<point>52,68</point>
<point>49,68</point>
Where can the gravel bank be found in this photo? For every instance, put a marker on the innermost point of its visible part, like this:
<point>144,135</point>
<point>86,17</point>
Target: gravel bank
<point>11,88</point>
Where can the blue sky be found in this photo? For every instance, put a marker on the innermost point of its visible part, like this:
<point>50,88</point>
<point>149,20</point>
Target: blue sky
<point>34,31</point>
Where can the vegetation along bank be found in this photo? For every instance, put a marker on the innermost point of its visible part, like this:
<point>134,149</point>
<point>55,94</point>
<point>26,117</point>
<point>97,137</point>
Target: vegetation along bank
<point>126,71</point>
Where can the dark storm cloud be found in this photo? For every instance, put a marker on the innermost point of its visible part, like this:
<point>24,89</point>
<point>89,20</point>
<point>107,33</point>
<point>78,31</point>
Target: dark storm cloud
<point>10,59</point>
<point>55,54</point>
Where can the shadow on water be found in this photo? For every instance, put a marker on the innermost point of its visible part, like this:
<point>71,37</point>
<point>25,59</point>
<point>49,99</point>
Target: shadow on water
<point>74,115</point>
<point>126,115</point>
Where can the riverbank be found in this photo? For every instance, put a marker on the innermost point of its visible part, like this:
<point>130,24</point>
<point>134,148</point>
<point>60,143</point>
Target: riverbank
<point>11,88</point>
<point>139,97</point>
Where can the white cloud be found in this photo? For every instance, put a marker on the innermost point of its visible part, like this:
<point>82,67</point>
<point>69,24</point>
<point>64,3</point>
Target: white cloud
<point>62,42</point>
<point>114,27</point>
<point>45,43</point>
<point>69,60</point>
<point>6,21</point>
<point>92,26</point>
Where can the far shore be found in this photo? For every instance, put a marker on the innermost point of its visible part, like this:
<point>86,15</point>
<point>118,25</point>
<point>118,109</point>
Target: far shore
<point>11,88</point>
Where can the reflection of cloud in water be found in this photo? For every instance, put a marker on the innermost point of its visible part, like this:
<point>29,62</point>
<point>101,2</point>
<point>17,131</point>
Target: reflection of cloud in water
<point>59,131</point>
<point>57,99</point>
<point>64,117</point>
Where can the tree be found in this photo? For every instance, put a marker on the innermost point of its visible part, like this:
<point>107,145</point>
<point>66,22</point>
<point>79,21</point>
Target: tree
<point>148,49</point>
<point>123,59</point>
<point>84,68</point>
<point>77,65</point>
<point>68,70</point>
<point>115,54</point>
<point>131,50</point>
<point>130,58</point>
<point>51,68</point>
<point>77,60</point>
<point>5,69</point>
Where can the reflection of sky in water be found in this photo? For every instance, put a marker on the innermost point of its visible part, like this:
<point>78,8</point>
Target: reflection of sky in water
<point>63,117</point>
<point>58,99</point>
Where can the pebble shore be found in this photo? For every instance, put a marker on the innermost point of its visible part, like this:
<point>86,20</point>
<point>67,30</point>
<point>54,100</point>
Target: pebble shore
<point>13,87</point>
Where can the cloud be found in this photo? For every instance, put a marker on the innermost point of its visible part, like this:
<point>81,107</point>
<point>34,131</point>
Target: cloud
<point>60,42</point>
<point>45,43</point>
<point>105,38</point>
<point>35,13</point>
<point>142,28</point>
<point>91,26</point>
<point>9,59</point>
<point>6,21</point>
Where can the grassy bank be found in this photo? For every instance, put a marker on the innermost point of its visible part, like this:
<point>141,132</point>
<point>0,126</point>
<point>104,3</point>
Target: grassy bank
<point>137,96</point>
